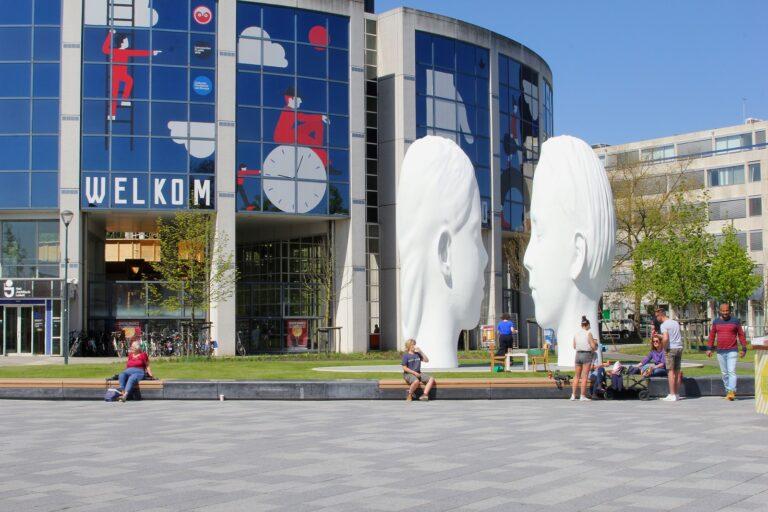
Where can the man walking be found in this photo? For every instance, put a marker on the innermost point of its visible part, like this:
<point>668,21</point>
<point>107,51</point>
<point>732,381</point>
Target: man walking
<point>672,341</point>
<point>727,330</point>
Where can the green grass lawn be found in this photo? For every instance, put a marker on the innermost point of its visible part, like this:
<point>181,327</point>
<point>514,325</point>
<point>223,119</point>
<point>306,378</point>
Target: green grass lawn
<point>688,355</point>
<point>274,367</point>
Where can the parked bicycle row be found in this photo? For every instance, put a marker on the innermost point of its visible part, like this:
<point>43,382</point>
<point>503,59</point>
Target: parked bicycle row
<point>165,343</point>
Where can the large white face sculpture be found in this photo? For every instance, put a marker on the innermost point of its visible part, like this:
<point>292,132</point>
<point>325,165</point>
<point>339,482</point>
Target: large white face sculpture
<point>573,234</point>
<point>442,258</point>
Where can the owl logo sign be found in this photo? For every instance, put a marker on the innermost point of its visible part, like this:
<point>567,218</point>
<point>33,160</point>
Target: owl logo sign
<point>202,15</point>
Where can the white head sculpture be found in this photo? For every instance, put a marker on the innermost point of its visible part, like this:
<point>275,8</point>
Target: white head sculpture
<point>573,234</point>
<point>442,258</point>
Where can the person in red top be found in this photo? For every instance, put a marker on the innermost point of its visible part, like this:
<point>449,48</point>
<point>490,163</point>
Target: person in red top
<point>295,127</point>
<point>727,330</point>
<point>120,55</point>
<point>136,368</point>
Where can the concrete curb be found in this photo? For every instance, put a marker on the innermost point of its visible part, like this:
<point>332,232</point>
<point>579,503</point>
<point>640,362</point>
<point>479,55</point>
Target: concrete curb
<point>351,390</point>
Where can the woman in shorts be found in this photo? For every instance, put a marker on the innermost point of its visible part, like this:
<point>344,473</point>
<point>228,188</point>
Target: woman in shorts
<point>585,346</point>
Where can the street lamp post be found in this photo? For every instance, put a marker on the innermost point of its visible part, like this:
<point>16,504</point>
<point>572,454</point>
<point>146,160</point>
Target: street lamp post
<point>66,218</point>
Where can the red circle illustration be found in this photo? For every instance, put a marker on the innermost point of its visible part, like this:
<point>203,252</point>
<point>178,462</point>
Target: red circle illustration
<point>318,37</point>
<point>202,15</point>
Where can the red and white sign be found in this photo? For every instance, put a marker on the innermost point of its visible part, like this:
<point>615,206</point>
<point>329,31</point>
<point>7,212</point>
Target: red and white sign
<point>202,15</point>
<point>297,333</point>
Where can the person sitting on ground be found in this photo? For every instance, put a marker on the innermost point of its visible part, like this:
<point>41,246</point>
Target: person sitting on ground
<point>412,373</point>
<point>136,368</point>
<point>505,331</point>
<point>654,364</point>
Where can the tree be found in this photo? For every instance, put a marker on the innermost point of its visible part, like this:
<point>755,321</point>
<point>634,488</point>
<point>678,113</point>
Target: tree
<point>644,193</point>
<point>513,250</point>
<point>195,266</point>
<point>674,264</point>
<point>731,277</point>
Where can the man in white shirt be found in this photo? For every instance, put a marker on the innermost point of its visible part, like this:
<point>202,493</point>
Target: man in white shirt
<point>672,341</point>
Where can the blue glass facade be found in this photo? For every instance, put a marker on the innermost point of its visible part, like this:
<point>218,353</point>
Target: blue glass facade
<point>452,100</point>
<point>519,132</point>
<point>30,56</point>
<point>148,106</point>
<point>292,111</point>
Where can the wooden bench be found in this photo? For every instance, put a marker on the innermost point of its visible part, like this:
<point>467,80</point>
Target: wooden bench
<point>73,384</point>
<point>523,382</point>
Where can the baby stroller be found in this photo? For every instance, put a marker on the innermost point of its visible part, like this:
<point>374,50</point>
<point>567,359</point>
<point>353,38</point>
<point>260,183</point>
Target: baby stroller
<point>621,384</point>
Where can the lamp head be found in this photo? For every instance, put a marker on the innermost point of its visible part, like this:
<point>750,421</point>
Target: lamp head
<point>66,217</point>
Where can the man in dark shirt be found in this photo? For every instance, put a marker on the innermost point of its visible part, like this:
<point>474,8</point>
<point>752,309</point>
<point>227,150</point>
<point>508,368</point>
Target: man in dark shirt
<point>412,373</point>
<point>728,331</point>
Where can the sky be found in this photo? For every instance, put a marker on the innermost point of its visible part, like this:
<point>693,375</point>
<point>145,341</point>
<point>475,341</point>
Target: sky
<point>627,70</point>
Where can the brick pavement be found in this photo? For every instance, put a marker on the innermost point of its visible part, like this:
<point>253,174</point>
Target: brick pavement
<point>518,455</point>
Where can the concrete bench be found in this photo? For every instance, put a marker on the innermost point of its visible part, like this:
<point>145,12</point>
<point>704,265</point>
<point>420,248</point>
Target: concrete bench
<point>480,388</point>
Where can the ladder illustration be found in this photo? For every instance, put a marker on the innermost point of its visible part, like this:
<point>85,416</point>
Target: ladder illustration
<point>119,14</point>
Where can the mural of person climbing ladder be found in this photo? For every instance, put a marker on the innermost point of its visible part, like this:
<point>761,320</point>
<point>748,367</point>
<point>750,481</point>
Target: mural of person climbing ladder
<point>117,47</point>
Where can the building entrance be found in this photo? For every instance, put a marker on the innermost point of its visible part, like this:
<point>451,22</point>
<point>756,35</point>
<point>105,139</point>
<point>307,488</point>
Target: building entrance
<point>24,329</point>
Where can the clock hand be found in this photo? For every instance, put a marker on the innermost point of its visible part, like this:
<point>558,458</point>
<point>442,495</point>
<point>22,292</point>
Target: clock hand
<point>300,160</point>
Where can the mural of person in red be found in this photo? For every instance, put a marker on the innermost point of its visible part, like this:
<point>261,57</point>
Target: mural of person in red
<point>295,127</point>
<point>292,127</point>
<point>116,46</point>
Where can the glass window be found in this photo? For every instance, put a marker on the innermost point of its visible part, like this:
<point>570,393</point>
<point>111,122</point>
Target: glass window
<point>47,12</point>
<point>15,151</point>
<point>47,44</point>
<point>46,80</point>
<point>157,110</point>
<point>304,94</point>
<point>16,12</point>
<point>279,23</point>
<point>760,137</point>
<point>14,189</point>
<point>754,171</point>
<point>168,156</point>
<point>15,43</point>
<point>733,142</point>
<point>45,116</point>
<point>694,147</point>
<point>45,153</point>
<point>756,240</point>
<point>45,191</point>
<point>726,176</point>
<point>755,206</point>
<point>15,116</point>
<point>727,210</point>
<point>16,79</point>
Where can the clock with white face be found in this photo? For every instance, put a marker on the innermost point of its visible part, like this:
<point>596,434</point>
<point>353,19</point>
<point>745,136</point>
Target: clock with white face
<point>282,167</point>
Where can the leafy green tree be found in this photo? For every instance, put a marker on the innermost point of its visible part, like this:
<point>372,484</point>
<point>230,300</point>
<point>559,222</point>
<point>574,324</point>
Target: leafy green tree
<point>195,266</point>
<point>731,277</point>
<point>675,263</point>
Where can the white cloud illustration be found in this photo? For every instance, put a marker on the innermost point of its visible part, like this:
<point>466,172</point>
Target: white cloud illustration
<point>251,51</point>
<point>195,147</point>
<point>97,12</point>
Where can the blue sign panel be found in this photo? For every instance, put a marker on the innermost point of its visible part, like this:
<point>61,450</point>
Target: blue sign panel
<point>148,114</point>
<point>292,111</point>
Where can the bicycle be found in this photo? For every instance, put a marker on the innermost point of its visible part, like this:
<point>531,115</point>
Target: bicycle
<point>239,347</point>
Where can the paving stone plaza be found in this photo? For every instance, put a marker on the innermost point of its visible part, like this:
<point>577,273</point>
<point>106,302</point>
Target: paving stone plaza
<point>515,455</point>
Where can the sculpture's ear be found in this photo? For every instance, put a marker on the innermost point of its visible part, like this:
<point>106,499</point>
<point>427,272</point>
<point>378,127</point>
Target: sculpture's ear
<point>444,255</point>
<point>579,255</point>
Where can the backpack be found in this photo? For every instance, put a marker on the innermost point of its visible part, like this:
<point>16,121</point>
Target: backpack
<point>111,395</point>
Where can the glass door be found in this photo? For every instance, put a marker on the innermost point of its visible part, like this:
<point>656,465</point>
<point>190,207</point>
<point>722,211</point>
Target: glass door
<point>10,327</point>
<point>24,331</point>
<point>17,330</point>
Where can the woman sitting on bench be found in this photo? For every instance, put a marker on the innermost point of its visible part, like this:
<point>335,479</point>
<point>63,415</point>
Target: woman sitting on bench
<point>136,368</point>
<point>654,364</point>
